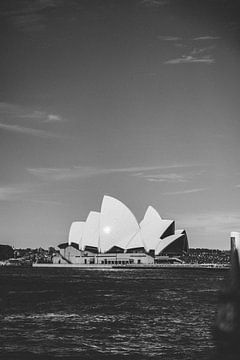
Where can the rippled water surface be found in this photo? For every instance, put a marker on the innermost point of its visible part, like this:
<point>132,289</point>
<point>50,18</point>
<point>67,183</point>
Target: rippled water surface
<point>108,314</point>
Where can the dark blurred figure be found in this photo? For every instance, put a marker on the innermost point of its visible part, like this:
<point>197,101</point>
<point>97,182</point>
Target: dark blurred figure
<point>227,327</point>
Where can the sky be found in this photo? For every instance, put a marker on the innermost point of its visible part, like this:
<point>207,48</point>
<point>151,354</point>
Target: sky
<point>135,99</point>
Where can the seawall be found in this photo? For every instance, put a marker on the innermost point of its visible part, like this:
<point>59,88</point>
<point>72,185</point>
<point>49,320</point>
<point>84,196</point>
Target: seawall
<point>153,266</point>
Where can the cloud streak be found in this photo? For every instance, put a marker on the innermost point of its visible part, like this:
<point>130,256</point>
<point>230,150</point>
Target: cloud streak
<point>53,118</point>
<point>197,51</point>
<point>28,131</point>
<point>13,111</point>
<point>9,193</point>
<point>189,59</point>
<point>81,172</point>
<point>213,221</point>
<point>170,177</point>
<point>30,15</point>
<point>206,37</point>
<point>179,38</point>
<point>168,38</point>
<point>154,3</point>
<point>183,192</point>
<point>25,193</point>
<point>15,118</point>
<point>197,54</point>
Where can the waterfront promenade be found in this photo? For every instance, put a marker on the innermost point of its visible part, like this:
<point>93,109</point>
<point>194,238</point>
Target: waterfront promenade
<point>140,266</point>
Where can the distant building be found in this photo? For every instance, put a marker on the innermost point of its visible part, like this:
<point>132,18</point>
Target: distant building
<point>113,236</point>
<point>6,252</point>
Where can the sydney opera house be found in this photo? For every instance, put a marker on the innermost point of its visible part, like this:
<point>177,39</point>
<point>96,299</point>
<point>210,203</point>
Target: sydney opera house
<point>114,237</point>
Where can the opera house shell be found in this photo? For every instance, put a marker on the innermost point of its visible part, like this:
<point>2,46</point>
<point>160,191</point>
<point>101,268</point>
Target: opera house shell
<point>115,230</point>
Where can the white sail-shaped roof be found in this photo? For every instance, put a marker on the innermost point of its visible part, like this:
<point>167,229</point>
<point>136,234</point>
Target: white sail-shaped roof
<point>91,230</point>
<point>151,228</point>
<point>135,242</point>
<point>117,224</point>
<point>76,233</point>
<point>167,228</point>
<point>163,243</point>
<point>180,231</point>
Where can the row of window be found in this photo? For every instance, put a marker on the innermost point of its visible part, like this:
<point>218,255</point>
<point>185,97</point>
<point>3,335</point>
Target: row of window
<point>113,262</point>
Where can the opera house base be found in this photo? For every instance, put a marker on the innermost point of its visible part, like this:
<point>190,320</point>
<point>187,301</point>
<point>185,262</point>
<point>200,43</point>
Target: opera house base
<point>71,255</point>
<point>134,267</point>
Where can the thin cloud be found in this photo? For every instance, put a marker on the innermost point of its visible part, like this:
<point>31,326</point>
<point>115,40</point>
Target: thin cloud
<point>27,193</point>
<point>169,38</point>
<point>178,38</point>
<point>10,109</point>
<point>13,111</point>
<point>34,115</point>
<point>43,201</point>
<point>58,174</point>
<point>197,51</point>
<point>158,167</point>
<point>42,116</point>
<point>191,60</point>
<point>212,221</point>
<point>182,192</point>
<point>17,118</point>
<point>207,37</point>
<point>53,118</point>
<point>196,54</point>
<point>172,177</point>
<point>30,7</point>
<point>8,193</point>
<point>28,131</point>
<point>30,15</point>
<point>81,172</point>
<point>154,3</point>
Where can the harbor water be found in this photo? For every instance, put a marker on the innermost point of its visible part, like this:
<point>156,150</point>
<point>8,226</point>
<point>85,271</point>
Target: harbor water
<point>108,314</point>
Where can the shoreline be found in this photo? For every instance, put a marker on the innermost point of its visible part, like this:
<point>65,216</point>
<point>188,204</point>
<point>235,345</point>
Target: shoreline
<point>138,267</point>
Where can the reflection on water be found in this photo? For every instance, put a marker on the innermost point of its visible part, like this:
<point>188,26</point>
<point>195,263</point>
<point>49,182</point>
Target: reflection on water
<point>110,314</point>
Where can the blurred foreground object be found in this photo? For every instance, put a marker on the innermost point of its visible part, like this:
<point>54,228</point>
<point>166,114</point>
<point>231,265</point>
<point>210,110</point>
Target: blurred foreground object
<point>228,316</point>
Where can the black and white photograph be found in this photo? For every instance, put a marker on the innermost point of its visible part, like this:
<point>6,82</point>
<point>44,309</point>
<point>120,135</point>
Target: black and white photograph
<point>120,180</point>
